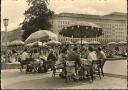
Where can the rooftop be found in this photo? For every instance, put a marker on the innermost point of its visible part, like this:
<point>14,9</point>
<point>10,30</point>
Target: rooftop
<point>122,16</point>
<point>118,13</point>
<point>113,13</point>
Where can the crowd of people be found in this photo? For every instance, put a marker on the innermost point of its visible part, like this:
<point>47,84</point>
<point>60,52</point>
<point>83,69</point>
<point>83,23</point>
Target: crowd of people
<point>59,54</point>
<point>43,59</point>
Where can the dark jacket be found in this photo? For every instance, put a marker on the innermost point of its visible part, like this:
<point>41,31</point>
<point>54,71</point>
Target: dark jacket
<point>73,56</point>
<point>52,57</point>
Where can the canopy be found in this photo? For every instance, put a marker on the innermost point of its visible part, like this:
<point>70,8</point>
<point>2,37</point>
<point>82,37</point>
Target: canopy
<point>16,43</point>
<point>112,43</point>
<point>95,42</point>
<point>37,43</point>
<point>67,42</point>
<point>83,42</point>
<point>4,44</point>
<point>53,42</point>
<point>82,30</point>
<point>42,35</point>
<point>122,42</point>
<point>29,45</point>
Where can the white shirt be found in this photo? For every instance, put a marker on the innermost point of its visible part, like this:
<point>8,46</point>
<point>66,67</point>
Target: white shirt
<point>24,56</point>
<point>92,56</point>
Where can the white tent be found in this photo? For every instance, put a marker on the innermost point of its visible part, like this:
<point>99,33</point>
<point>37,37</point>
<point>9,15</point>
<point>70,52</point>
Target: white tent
<point>16,43</point>
<point>53,42</point>
<point>95,42</point>
<point>40,36</point>
<point>112,43</point>
<point>83,42</point>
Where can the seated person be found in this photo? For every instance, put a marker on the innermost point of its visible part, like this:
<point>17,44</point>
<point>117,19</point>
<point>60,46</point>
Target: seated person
<point>91,56</point>
<point>72,58</point>
<point>62,58</point>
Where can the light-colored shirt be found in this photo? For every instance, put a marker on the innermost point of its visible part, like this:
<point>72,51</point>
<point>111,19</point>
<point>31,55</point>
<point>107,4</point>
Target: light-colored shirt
<point>92,56</point>
<point>24,56</point>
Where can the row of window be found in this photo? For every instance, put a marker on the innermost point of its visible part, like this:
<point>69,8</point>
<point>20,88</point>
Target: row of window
<point>63,22</point>
<point>101,24</point>
<point>116,25</point>
<point>120,28</point>
<point>89,40</point>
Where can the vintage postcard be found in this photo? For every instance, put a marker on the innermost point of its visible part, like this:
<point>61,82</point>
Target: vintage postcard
<point>64,44</point>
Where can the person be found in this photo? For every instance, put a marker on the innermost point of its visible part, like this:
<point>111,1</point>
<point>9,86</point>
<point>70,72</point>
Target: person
<point>36,54</point>
<point>92,54</point>
<point>73,55</point>
<point>24,58</point>
<point>3,60</point>
<point>124,53</point>
<point>84,53</point>
<point>51,56</point>
<point>62,57</point>
<point>51,59</point>
<point>100,54</point>
<point>73,60</point>
<point>9,60</point>
<point>61,61</point>
<point>42,65</point>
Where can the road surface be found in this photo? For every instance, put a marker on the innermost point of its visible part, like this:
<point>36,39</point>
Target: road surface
<point>14,79</point>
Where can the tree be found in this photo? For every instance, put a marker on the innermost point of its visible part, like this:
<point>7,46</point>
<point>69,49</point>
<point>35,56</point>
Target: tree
<point>36,17</point>
<point>81,32</point>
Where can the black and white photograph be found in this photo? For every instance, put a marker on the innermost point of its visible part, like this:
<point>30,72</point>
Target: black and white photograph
<point>64,44</point>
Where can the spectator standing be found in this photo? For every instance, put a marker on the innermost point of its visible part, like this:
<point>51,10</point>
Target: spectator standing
<point>100,53</point>
<point>24,58</point>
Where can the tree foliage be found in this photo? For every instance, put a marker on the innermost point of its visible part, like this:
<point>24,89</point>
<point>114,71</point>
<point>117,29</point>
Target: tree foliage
<point>81,31</point>
<point>36,17</point>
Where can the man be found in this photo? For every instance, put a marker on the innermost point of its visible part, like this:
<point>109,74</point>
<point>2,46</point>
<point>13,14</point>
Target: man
<point>52,59</point>
<point>24,58</point>
<point>51,56</point>
<point>92,54</point>
<point>100,54</point>
<point>72,58</point>
<point>24,55</point>
<point>73,55</point>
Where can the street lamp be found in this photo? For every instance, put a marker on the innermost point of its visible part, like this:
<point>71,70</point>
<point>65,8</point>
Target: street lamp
<point>5,22</point>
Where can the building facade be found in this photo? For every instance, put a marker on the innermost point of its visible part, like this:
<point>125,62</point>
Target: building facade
<point>114,25</point>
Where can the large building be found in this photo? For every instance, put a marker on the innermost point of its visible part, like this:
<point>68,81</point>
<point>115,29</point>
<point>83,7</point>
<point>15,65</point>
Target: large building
<point>114,25</point>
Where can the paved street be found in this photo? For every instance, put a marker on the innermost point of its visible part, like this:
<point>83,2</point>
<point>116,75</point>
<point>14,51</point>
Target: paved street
<point>14,79</point>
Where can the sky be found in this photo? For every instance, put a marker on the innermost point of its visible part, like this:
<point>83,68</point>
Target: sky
<point>14,9</point>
